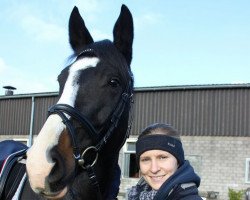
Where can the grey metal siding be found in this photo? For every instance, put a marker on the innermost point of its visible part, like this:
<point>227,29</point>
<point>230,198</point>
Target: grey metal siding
<point>207,112</point>
<point>15,116</point>
<point>41,111</point>
<point>194,111</point>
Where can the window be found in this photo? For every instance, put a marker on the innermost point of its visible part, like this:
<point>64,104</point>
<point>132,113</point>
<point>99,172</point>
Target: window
<point>130,169</point>
<point>247,171</point>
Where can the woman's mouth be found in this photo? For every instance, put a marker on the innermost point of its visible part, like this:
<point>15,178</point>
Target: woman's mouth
<point>157,178</point>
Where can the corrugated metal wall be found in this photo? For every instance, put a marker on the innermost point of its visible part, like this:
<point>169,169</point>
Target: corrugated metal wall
<point>41,111</point>
<point>194,112</point>
<point>15,114</point>
<point>203,112</point>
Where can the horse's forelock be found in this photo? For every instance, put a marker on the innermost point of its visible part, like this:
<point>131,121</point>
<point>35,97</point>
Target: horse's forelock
<point>105,49</point>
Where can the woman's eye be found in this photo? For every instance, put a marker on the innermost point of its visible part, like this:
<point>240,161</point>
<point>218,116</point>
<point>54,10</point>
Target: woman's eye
<point>114,82</point>
<point>163,157</point>
<point>144,159</point>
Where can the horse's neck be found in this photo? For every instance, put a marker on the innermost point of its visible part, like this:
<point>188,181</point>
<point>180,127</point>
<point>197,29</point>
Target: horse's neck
<point>111,180</point>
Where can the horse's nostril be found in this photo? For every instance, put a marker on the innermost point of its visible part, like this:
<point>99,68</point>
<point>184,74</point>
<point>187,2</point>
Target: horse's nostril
<point>58,170</point>
<point>39,190</point>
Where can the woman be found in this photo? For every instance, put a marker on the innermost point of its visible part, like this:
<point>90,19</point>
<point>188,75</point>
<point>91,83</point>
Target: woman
<point>166,175</point>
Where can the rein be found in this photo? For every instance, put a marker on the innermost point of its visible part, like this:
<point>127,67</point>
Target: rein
<point>63,110</point>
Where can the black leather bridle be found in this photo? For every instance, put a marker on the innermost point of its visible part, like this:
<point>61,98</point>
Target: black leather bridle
<point>67,112</point>
<point>64,109</point>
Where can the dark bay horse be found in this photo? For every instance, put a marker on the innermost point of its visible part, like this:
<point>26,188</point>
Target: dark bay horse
<point>75,155</point>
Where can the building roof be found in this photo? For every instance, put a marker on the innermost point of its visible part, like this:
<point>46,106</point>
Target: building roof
<point>146,89</point>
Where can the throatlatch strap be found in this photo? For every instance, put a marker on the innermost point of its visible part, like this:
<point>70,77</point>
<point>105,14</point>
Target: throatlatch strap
<point>94,181</point>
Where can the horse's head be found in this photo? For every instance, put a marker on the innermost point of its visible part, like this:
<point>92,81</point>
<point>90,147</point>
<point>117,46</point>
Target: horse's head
<point>94,102</point>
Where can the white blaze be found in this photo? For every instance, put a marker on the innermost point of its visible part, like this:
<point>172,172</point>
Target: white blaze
<point>71,87</point>
<point>39,164</point>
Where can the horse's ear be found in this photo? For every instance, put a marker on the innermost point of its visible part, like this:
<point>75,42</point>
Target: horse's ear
<point>124,33</point>
<point>79,35</point>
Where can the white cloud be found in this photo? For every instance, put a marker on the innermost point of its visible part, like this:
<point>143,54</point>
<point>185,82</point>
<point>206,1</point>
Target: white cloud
<point>39,24</point>
<point>25,82</point>
<point>99,35</point>
<point>29,83</point>
<point>148,19</point>
<point>33,86</point>
<point>89,6</point>
<point>44,25</point>
<point>42,30</point>
<point>3,66</point>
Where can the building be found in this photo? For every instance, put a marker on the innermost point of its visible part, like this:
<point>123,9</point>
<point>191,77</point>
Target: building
<point>213,120</point>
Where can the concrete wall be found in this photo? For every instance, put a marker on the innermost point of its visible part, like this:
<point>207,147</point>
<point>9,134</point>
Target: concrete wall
<point>223,162</point>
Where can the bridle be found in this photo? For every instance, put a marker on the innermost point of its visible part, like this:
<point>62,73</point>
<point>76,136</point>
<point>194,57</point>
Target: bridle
<point>67,112</point>
<point>64,109</point>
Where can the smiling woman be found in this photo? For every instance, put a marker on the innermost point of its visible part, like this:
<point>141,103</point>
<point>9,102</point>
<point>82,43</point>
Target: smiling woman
<point>165,172</point>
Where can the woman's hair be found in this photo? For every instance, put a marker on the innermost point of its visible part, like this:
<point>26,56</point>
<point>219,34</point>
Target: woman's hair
<point>160,128</point>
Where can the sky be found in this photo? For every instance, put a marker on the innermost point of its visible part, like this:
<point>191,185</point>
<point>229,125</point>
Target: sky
<point>176,42</point>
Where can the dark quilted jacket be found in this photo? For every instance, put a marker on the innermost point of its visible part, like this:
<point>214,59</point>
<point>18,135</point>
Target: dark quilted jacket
<point>182,185</point>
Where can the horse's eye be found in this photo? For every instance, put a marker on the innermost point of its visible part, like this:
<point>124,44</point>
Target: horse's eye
<point>114,82</point>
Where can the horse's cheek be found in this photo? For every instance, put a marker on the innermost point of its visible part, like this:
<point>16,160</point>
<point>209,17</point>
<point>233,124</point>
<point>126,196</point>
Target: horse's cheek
<point>39,162</point>
<point>66,151</point>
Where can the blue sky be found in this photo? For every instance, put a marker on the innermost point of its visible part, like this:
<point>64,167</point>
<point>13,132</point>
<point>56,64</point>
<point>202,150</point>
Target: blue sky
<point>176,42</point>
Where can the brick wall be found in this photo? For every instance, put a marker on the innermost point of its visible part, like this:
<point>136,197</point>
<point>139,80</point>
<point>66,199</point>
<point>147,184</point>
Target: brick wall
<point>223,161</point>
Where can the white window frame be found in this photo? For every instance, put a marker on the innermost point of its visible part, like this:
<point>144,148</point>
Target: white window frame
<point>129,140</point>
<point>125,152</point>
<point>247,171</point>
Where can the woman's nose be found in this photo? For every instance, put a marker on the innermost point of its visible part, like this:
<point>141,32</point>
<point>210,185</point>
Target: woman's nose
<point>154,166</point>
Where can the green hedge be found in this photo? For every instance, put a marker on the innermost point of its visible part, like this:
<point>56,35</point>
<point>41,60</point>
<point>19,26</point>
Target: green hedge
<point>235,195</point>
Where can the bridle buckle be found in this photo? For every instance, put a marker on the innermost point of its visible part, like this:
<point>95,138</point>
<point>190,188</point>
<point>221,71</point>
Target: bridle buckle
<point>82,160</point>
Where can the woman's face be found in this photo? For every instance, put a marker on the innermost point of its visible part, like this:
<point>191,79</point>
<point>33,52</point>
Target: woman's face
<point>157,166</point>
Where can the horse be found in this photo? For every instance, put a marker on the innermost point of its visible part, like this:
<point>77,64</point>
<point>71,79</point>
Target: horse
<point>75,155</point>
